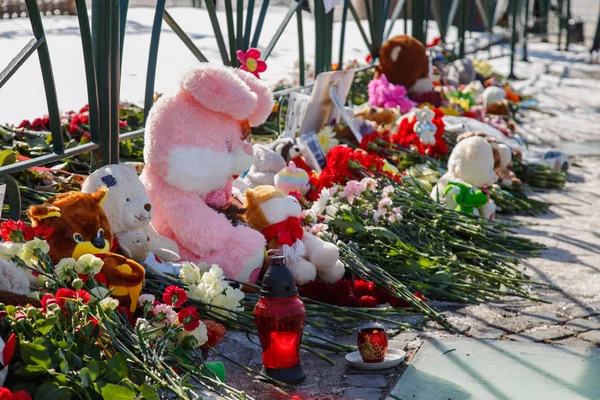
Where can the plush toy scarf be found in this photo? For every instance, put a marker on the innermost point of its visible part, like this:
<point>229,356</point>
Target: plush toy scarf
<point>289,234</point>
<point>468,199</point>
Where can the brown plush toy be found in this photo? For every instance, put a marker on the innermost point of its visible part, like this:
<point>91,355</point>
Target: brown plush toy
<point>381,116</point>
<point>81,227</point>
<point>499,108</point>
<point>403,60</point>
<point>14,299</point>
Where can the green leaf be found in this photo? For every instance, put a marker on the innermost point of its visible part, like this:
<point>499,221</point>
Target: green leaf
<point>51,390</point>
<point>117,369</point>
<point>381,232</point>
<point>7,157</point>
<point>94,370</point>
<point>45,325</point>
<point>218,368</point>
<point>116,392</point>
<point>35,353</point>
<point>148,392</point>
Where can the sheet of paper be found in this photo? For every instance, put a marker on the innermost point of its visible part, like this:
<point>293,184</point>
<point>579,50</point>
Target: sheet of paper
<point>312,150</point>
<point>321,110</point>
<point>296,114</point>
<point>343,111</point>
<point>2,193</point>
<point>331,4</point>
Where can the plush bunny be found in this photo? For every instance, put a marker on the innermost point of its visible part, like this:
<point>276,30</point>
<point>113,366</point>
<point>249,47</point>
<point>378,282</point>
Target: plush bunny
<point>129,212</point>
<point>195,146</point>
<point>277,217</point>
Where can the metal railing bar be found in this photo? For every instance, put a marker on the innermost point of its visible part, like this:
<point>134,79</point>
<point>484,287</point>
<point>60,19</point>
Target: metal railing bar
<point>286,19</point>
<point>343,33</point>
<point>248,28</point>
<point>90,70</point>
<point>115,79</point>
<point>394,17</point>
<point>451,15</point>
<point>182,36</point>
<point>230,32</point>
<point>47,159</point>
<point>47,76</point>
<point>301,76</point>
<point>13,196</point>
<point>260,22</point>
<point>360,27</point>
<point>101,33</point>
<point>239,32</point>
<point>482,14</point>
<point>159,14</point>
<point>14,64</point>
<point>214,21</point>
<point>123,25</point>
<point>131,135</point>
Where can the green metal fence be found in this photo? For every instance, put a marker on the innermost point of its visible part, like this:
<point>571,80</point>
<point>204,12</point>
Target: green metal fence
<point>102,45</point>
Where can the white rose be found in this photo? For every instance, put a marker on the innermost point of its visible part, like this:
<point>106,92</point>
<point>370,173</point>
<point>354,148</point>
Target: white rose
<point>64,267</point>
<point>189,273</point>
<point>89,260</point>
<point>109,303</point>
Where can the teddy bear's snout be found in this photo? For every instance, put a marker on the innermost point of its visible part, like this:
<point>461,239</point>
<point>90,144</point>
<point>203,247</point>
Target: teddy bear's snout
<point>147,206</point>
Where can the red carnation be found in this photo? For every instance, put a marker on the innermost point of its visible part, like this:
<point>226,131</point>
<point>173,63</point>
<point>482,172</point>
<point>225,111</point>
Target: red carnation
<point>6,394</point>
<point>48,300</point>
<point>174,296</point>
<point>363,288</point>
<point>189,317</point>
<point>215,332</point>
<point>93,320</point>
<point>63,295</point>
<point>367,301</point>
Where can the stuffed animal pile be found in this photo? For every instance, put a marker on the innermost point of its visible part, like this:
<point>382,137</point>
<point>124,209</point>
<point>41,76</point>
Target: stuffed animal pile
<point>80,227</point>
<point>194,148</point>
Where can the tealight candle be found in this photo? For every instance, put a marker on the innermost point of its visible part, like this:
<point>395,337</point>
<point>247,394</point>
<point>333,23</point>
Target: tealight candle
<point>372,344</point>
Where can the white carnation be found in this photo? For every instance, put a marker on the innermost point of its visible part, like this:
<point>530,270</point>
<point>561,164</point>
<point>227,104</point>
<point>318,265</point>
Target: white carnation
<point>64,268</point>
<point>189,273</point>
<point>29,250</point>
<point>91,261</point>
<point>9,249</point>
<point>109,303</point>
<point>146,298</point>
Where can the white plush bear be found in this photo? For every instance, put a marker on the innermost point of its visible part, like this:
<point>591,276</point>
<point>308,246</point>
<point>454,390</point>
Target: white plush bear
<point>424,127</point>
<point>471,163</point>
<point>277,217</point>
<point>129,212</point>
<point>492,94</point>
<point>14,278</point>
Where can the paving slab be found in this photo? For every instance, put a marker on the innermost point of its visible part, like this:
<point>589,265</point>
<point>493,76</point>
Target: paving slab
<point>480,369</point>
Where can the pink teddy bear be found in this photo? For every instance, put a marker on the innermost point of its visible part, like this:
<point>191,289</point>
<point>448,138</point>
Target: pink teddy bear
<point>194,147</point>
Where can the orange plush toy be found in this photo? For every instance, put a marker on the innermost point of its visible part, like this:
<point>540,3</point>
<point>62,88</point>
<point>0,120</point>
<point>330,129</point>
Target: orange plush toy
<point>81,227</point>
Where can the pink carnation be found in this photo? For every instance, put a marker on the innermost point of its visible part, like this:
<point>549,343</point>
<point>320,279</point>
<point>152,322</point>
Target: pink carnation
<point>382,93</point>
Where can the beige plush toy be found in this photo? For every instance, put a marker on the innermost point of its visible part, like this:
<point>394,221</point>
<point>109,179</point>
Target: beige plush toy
<point>129,212</point>
<point>277,217</point>
<point>470,172</point>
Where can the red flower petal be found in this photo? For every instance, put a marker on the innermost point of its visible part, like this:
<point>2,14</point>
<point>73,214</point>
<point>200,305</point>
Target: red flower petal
<point>174,296</point>
<point>9,349</point>
<point>253,53</point>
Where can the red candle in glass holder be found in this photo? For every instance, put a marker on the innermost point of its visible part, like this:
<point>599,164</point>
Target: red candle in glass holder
<point>279,316</point>
<point>372,344</point>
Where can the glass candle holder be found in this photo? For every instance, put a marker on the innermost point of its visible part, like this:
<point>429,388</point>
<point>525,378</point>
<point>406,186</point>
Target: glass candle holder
<point>372,344</point>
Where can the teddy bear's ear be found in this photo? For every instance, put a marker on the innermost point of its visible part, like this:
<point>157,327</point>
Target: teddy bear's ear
<point>220,90</point>
<point>264,95</point>
<point>248,197</point>
<point>100,195</point>
<point>43,211</point>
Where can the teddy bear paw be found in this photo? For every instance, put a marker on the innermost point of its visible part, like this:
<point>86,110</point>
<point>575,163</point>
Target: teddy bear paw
<point>334,273</point>
<point>304,271</point>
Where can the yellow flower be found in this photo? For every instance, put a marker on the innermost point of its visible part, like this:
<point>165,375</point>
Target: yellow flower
<point>327,139</point>
<point>450,111</point>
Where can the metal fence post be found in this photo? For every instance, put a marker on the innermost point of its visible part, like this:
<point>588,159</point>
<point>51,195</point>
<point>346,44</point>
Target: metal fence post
<point>560,23</point>
<point>418,16</point>
<point>513,42</point>
<point>462,28</point>
<point>567,19</point>
<point>526,31</point>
